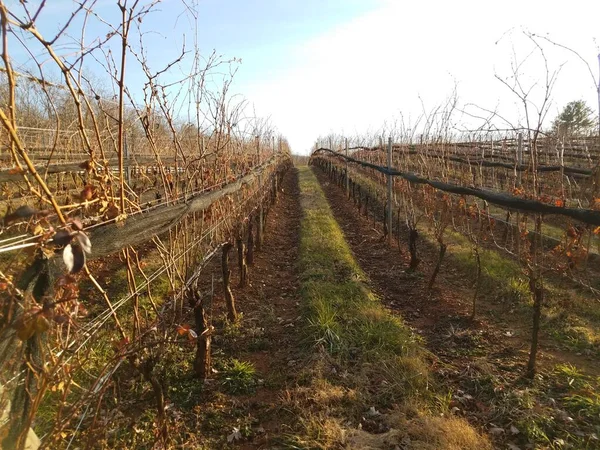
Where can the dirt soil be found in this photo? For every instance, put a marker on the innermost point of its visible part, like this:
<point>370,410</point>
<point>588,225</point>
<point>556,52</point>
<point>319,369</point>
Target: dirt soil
<point>268,336</point>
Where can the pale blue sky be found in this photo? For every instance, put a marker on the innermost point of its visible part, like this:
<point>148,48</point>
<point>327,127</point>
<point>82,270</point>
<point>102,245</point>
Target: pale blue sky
<point>320,66</point>
<point>261,33</point>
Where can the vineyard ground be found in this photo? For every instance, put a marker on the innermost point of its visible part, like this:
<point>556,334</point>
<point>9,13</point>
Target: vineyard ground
<point>345,372</point>
<point>253,360</point>
<point>481,362</point>
<point>314,362</point>
<point>571,313</point>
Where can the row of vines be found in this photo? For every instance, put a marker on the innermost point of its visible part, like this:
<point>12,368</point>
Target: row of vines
<point>541,216</point>
<point>113,198</point>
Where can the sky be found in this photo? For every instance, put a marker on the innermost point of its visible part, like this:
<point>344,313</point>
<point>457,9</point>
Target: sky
<point>350,66</point>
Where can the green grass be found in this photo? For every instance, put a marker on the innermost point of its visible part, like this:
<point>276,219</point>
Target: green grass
<point>570,316</point>
<point>343,314</point>
<point>362,356</point>
<point>238,377</point>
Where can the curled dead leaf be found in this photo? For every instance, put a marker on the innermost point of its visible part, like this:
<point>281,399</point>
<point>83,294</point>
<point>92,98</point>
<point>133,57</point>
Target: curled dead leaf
<point>41,324</point>
<point>112,211</point>
<point>87,165</point>
<point>84,241</point>
<point>87,193</point>
<point>61,238</point>
<point>74,258</point>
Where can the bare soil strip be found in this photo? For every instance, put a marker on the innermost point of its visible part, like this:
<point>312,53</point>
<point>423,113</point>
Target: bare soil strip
<point>267,335</point>
<point>254,360</point>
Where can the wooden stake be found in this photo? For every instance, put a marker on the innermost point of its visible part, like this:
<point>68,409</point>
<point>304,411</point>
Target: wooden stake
<point>347,173</point>
<point>202,306</point>
<point>229,299</point>
<point>241,249</point>
<point>250,247</point>
<point>389,192</point>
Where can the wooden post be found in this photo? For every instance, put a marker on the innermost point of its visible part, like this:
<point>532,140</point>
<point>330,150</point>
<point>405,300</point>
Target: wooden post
<point>389,192</point>
<point>127,159</point>
<point>229,300</point>
<point>241,249</point>
<point>519,156</point>
<point>259,228</point>
<point>258,150</point>
<point>250,245</point>
<point>275,183</point>
<point>598,89</point>
<point>202,306</point>
<point>347,173</point>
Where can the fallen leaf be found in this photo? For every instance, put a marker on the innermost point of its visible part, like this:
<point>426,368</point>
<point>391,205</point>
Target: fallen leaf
<point>234,436</point>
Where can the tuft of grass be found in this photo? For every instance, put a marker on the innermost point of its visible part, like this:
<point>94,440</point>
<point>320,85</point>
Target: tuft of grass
<point>238,377</point>
<point>585,405</point>
<point>325,326</point>
<point>571,374</point>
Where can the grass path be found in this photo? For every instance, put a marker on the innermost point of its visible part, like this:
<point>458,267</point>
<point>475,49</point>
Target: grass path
<point>368,370</point>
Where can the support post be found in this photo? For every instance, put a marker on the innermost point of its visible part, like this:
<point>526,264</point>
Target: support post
<point>598,89</point>
<point>229,299</point>
<point>258,150</point>
<point>347,172</point>
<point>259,228</point>
<point>389,192</point>
<point>241,249</point>
<point>519,156</point>
<point>250,244</point>
<point>126,157</point>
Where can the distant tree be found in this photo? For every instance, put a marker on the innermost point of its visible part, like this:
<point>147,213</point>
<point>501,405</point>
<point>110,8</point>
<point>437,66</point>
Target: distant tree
<point>575,119</point>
